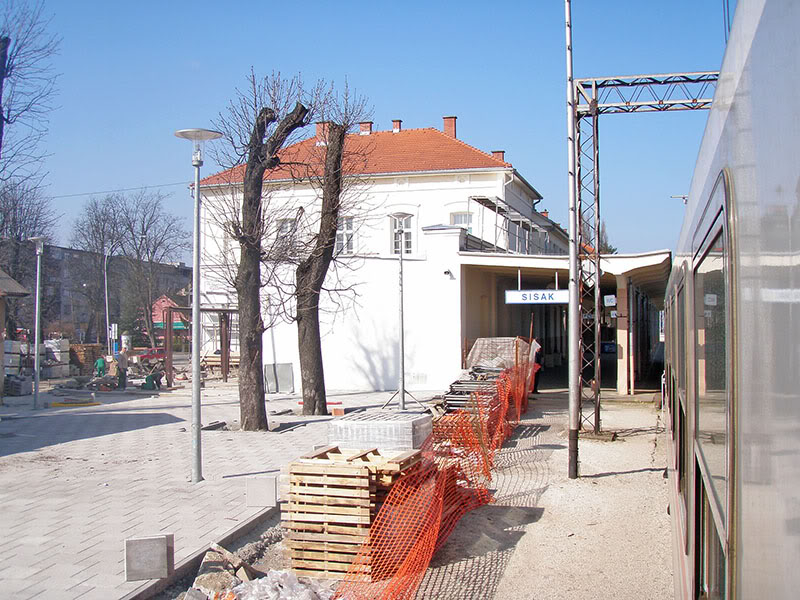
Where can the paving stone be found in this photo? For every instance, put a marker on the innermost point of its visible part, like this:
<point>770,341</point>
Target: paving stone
<point>127,466</point>
<point>149,557</point>
<point>262,491</point>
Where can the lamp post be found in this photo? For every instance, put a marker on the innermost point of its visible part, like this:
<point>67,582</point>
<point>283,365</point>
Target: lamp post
<point>198,137</point>
<point>105,278</point>
<point>39,241</point>
<point>399,218</point>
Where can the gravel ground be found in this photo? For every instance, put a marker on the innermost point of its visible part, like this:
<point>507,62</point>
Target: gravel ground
<point>605,535</point>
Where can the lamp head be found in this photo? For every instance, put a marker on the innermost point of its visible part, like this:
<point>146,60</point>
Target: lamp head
<point>39,241</point>
<point>399,217</point>
<point>198,138</point>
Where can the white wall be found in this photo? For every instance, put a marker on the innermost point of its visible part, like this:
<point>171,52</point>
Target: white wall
<point>360,343</point>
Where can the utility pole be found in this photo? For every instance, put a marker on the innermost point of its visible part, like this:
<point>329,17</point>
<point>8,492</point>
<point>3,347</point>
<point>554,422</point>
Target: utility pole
<point>574,300</point>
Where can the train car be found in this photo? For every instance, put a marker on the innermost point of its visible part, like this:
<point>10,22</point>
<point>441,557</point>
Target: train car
<point>732,326</point>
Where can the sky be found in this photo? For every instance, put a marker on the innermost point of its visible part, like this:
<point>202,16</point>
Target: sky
<point>131,73</point>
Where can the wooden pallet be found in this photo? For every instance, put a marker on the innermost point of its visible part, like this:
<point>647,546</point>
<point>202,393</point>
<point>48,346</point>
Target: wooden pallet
<point>330,503</point>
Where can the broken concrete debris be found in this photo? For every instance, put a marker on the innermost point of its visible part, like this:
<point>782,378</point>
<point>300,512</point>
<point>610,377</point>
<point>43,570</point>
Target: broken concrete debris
<point>225,576</point>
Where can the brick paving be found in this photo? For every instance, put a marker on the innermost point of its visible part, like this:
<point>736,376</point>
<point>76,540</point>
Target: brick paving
<point>76,482</point>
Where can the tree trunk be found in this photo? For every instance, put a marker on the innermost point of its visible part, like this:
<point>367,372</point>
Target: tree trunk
<point>261,155</point>
<point>90,326</point>
<point>311,274</point>
<point>312,373</point>
<point>253,414</point>
<point>5,41</point>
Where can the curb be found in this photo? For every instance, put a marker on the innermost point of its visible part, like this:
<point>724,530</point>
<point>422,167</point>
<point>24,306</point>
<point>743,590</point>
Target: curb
<point>192,562</point>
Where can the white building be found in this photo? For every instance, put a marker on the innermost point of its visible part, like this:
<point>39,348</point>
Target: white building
<point>473,233</point>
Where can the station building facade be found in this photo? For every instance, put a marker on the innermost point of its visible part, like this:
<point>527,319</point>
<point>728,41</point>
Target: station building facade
<point>473,231</point>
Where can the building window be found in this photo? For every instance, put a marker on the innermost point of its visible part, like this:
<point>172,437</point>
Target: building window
<point>513,231</point>
<point>285,240</point>
<point>462,219</point>
<point>344,236</point>
<point>401,235</point>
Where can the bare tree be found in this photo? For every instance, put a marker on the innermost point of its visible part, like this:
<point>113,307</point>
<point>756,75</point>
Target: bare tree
<point>95,231</point>
<point>149,236</point>
<point>24,213</point>
<point>27,86</point>
<point>291,237</point>
<point>605,245</point>
<point>340,113</point>
<point>257,124</point>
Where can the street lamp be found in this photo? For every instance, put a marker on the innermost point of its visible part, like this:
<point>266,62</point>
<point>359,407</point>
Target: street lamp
<point>198,138</point>
<point>399,231</point>
<point>105,277</point>
<point>39,241</point>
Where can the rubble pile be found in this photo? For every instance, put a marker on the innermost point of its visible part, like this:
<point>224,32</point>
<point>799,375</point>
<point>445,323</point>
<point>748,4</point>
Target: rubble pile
<point>224,575</point>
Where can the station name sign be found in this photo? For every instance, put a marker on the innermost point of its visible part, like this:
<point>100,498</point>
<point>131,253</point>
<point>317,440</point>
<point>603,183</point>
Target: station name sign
<point>537,296</point>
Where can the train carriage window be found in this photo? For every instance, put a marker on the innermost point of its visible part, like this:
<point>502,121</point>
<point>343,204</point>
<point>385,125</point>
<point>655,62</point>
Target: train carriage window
<point>710,559</point>
<point>711,368</point>
<point>680,359</point>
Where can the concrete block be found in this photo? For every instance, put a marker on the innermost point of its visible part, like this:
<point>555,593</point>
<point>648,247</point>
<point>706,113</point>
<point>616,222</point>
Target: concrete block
<point>383,429</point>
<point>262,491</point>
<point>151,557</point>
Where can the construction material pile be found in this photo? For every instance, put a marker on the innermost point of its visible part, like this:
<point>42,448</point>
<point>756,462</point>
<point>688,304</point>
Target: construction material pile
<point>85,355</point>
<point>453,477</point>
<point>333,498</point>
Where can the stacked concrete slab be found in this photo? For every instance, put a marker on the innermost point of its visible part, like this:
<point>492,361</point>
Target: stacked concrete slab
<point>384,429</point>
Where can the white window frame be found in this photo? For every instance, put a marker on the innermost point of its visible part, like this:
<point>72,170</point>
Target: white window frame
<point>407,239</point>
<point>463,219</point>
<point>286,234</point>
<point>345,236</point>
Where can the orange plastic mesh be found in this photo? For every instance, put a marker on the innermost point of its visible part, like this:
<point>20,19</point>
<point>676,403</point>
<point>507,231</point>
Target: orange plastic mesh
<point>424,506</point>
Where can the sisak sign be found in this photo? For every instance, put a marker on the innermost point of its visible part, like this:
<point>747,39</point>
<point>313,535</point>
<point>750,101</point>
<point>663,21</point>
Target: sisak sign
<point>537,296</point>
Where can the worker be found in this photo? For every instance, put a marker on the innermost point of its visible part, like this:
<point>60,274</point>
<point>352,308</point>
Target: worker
<point>100,367</point>
<point>122,367</point>
<point>152,381</point>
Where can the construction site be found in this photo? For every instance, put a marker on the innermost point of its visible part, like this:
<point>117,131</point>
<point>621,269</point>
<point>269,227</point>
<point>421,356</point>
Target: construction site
<point>464,498</point>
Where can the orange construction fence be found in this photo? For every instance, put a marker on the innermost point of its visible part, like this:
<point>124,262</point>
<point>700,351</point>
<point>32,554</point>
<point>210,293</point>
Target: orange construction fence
<point>424,506</point>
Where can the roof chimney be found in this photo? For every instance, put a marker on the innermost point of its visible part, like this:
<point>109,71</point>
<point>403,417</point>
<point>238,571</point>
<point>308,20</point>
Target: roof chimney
<point>499,155</point>
<point>366,127</point>
<point>450,126</point>
<point>322,132</point>
<point>397,125</point>
<point>545,214</point>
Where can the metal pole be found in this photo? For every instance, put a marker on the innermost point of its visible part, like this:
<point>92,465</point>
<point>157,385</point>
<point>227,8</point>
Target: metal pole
<point>197,467</point>
<point>37,321</point>
<point>596,253</point>
<point>108,323</point>
<point>402,331</point>
<point>574,300</point>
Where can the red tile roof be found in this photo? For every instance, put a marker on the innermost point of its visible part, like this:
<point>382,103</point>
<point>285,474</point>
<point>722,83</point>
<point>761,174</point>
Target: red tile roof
<point>408,151</point>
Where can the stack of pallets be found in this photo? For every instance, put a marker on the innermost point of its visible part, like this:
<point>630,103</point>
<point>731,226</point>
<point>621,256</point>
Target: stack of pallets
<point>332,499</point>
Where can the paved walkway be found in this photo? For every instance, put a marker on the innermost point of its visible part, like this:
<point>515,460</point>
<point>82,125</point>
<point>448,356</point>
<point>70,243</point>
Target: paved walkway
<point>76,482</point>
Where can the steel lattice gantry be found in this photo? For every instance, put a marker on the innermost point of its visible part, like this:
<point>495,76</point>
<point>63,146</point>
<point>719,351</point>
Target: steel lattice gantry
<point>595,97</point>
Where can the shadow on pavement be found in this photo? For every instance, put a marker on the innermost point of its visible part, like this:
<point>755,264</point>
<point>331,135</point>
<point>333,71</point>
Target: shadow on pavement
<point>48,429</point>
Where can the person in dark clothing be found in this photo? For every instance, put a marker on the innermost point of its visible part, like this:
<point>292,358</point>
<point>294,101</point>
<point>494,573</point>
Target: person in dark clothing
<point>538,359</point>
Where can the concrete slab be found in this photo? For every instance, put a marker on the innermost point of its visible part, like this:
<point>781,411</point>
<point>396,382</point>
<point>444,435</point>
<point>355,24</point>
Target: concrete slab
<point>262,491</point>
<point>384,429</point>
<point>150,557</point>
